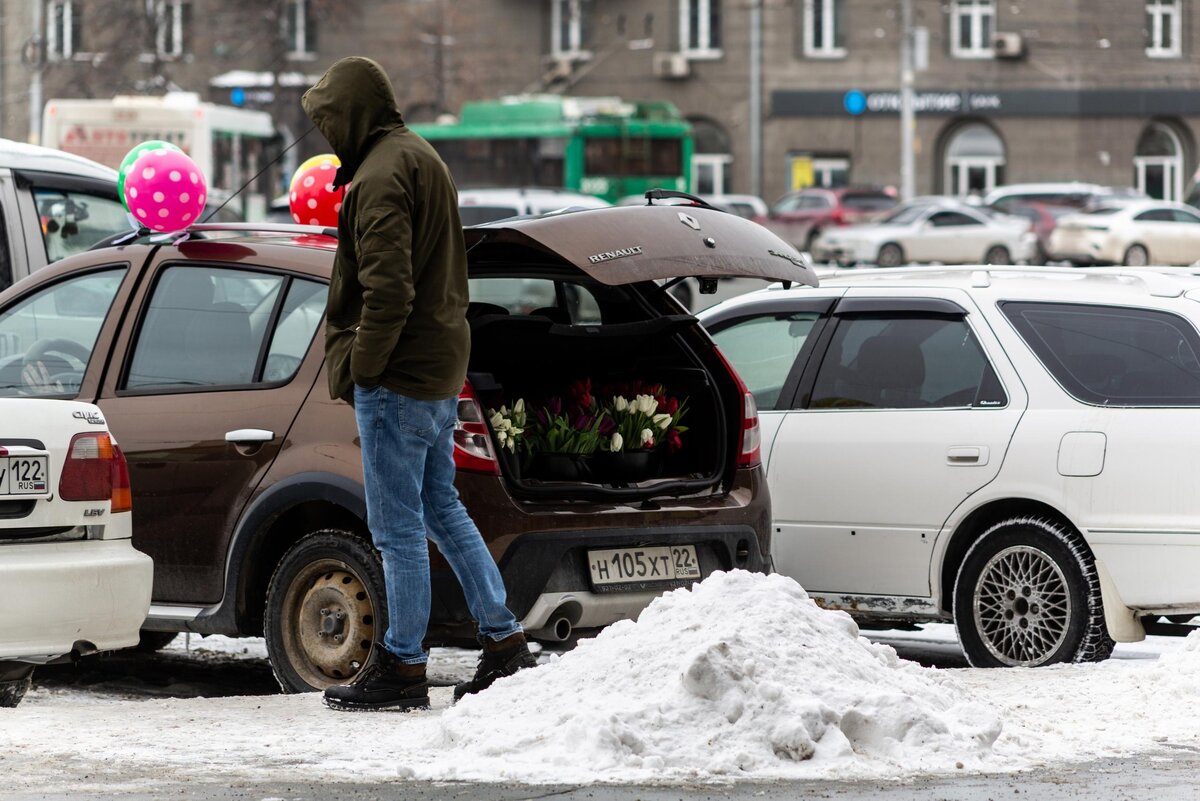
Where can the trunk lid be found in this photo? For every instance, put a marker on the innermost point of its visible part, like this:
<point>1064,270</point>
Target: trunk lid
<point>627,244</point>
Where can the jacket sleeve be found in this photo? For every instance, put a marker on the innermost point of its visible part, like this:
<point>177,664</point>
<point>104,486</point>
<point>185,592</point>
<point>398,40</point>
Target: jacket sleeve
<point>383,243</point>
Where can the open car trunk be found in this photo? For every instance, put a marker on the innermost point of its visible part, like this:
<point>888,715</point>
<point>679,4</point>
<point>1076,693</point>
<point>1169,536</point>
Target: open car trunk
<point>530,357</point>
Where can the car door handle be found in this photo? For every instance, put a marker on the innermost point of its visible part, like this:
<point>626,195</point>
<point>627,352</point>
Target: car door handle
<point>967,455</point>
<point>249,435</point>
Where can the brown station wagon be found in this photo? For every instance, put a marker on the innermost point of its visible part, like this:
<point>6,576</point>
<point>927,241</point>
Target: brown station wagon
<point>204,352</point>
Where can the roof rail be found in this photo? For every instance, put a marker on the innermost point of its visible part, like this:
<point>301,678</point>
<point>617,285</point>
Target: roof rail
<point>1157,282</point>
<point>133,235</point>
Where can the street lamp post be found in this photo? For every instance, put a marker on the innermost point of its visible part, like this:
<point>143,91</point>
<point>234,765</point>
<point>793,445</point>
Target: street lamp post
<point>755,97</point>
<point>907,116</point>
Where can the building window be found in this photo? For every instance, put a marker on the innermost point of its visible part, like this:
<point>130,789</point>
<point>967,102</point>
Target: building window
<point>974,161</point>
<point>971,25</point>
<point>171,18</point>
<point>570,28</point>
<point>712,159</point>
<point>64,28</point>
<point>299,30</point>
<point>700,27</point>
<point>825,28</point>
<point>828,172</point>
<point>1158,164</point>
<point>1163,29</point>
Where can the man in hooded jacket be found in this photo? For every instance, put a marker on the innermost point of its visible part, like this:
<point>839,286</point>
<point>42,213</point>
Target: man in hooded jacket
<point>396,346</point>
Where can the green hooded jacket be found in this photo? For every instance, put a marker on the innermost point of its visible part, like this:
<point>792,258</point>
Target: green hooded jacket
<point>396,313</point>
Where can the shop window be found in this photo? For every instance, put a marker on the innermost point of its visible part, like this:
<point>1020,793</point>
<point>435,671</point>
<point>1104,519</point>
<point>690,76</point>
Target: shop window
<point>1163,29</point>
<point>971,26</point>
<point>1158,165</point>
<point>974,161</point>
<point>825,28</point>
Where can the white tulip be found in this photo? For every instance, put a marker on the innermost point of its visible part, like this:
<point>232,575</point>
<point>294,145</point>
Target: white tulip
<point>647,436</point>
<point>617,442</point>
<point>620,404</point>
<point>497,420</point>
<point>663,421</point>
<point>504,411</point>
<point>646,404</point>
<point>502,435</point>
<point>519,406</point>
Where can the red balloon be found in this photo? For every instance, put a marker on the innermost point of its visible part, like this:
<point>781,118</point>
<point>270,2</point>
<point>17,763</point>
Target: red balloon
<point>313,200</point>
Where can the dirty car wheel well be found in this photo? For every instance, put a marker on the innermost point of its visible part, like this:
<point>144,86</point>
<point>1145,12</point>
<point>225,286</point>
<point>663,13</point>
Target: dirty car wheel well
<point>974,525</point>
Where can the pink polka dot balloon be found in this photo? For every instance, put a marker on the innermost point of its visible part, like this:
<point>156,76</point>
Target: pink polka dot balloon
<point>165,190</point>
<point>312,198</point>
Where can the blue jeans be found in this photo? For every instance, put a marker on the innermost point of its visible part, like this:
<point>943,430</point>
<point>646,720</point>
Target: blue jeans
<point>408,472</point>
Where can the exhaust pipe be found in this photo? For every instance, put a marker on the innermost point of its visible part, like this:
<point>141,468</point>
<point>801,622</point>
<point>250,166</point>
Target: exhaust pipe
<point>557,629</point>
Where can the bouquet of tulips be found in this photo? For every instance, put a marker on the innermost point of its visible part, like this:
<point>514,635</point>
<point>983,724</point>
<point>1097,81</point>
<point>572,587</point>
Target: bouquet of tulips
<point>510,426</point>
<point>573,423</point>
<point>648,420</point>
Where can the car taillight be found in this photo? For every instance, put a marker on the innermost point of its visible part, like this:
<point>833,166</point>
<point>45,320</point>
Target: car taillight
<point>472,445</point>
<point>750,442</point>
<point>95,470</point>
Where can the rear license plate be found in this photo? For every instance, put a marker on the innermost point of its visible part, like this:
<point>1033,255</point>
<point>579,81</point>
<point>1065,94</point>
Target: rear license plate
<point>24,475</point>
<point>637,568</point>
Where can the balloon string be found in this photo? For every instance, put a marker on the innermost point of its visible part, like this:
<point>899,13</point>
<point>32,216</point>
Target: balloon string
<point>258,175</point>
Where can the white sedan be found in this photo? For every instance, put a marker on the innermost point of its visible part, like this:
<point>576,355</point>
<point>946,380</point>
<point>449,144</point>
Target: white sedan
<point>73,583</point>
<point>930,232</point>
<point>1135,234</point>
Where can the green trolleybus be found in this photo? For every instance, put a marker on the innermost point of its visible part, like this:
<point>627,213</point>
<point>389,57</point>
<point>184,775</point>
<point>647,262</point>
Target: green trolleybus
<point>599,146</point>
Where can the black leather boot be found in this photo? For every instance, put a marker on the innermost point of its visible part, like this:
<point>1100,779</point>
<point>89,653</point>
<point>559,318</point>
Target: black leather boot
<point>384,683</point>
<point>499,658</point>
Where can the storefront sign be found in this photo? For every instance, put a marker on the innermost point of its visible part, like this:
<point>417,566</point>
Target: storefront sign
<point>1010,102</point>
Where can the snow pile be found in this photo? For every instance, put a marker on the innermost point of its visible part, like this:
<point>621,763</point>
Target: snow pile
<point>741,676</point>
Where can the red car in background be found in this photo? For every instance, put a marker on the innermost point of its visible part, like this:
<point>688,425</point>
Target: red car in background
<point>799,217</point>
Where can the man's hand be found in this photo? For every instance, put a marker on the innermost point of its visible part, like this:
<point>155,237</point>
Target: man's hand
<point>37,380</point>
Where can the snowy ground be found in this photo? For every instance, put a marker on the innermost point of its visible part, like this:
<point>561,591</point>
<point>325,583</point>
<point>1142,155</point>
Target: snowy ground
<point>741,678</point>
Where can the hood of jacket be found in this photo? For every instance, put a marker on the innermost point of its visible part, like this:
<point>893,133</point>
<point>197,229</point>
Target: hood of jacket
<point>352,106</point>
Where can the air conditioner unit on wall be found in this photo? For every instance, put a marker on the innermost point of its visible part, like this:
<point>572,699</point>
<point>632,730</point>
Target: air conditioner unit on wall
<point>557,69</point>
<point>1008,45</point>
<point>672,65</point>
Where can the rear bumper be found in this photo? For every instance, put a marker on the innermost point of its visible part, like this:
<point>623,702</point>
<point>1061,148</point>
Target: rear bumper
<point>90,595</point>
<point>1152,573</point>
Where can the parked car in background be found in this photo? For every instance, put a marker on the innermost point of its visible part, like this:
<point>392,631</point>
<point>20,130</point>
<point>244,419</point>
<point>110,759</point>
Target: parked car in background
<point>206,359</point>
<point>800,217</point>
<point>1145,232</point>
<point>52,204</point>
<point>748,206</point>
<point>479,206</point>
<point>1043,219</point>
<point>1074,194</point>
<point>945,232</point>
<point>73,583</point>
<point>1011,448</point>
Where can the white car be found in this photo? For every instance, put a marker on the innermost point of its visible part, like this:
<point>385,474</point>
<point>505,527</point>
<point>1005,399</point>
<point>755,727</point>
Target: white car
<point>1012,448</point>
<point>1058,193</point>
<point>73,583</point>
<point>479,206</point>
<point>943,232</point>
<point>1133,234</point>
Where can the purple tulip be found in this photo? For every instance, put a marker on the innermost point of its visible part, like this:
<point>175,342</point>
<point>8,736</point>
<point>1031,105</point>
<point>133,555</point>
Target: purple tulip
<point>555,405</point>
<point>607,426</point>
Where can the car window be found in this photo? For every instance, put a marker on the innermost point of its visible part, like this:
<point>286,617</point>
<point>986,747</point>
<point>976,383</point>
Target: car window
<point>303,309</point>
<point>1156,215</point>
<point>537,296</point>
<point>46,339</point>
<point>945,219</point>
<point>905,362</point>
<point>1184,216</point>
<point>904,215</point>
<point>203,326</point>
<point>868,201</point>
<point>74,221</point>
<point>1113,355</point>
<point>763,350</point>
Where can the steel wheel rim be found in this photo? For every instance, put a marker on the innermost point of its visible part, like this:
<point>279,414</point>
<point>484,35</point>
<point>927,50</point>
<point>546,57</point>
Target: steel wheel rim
<point>1022,606</point>
<point>328,623</point>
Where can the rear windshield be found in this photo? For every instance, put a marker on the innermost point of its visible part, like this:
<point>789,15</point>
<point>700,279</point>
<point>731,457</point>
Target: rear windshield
<point>478,215</point>
<point>868,201</point>
<point>905,214</point>
<point>1113,355</point>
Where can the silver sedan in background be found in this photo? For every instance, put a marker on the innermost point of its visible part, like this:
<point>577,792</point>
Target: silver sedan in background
<point>945,232</point>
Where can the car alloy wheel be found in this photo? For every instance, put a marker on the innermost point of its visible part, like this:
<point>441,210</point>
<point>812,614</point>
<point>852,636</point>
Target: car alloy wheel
<point>1136,256</point>
<point>1028,594</point>
<point>997,255</point>
<point>325,607</point>
<point>890,255</point>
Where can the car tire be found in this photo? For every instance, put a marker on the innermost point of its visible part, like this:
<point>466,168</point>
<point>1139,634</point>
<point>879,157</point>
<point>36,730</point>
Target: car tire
<point>811,239</point>
<point>1136,256</point>
<point>15,680</point>
<point>325,608</point>
<point>997,255</point>
<point>1002,621</point>
<point>151,641</point>
<point>890,255</point>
